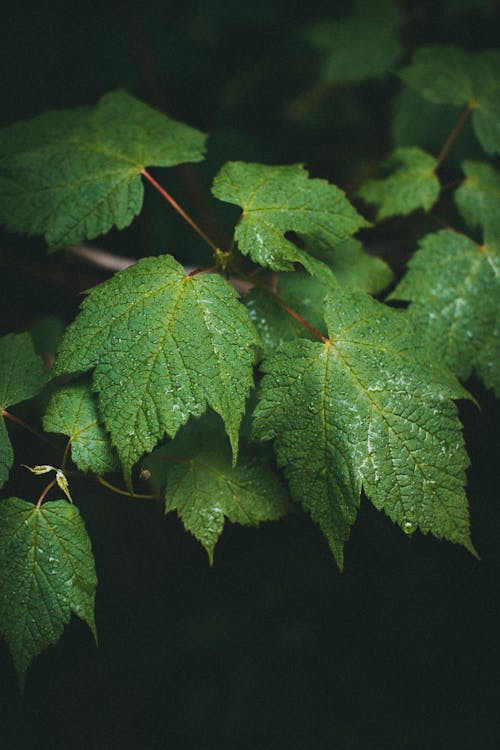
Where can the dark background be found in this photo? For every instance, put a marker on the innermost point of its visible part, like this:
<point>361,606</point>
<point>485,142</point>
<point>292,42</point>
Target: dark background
<point>272,647</point>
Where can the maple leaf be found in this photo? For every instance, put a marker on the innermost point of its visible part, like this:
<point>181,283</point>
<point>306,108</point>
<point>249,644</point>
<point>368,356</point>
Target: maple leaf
<point>362,45</point>
<point>164,345</point>
<point>21,378</point>
<point>412,185</point>
<point>448,75</point>
<point>478,198</point>
<point>365,410</point>
<point>204,487</point>
<point>46,572</point>
<point>73,411</point>
<point>74,174</point>
<point>454,287</point>
<point>277,200</point>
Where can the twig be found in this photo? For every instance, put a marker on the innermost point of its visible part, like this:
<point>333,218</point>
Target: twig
<point>453,134</point>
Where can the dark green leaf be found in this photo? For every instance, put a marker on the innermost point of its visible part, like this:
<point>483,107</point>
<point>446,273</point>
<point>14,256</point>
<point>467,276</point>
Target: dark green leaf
<point>46,572</point>
<point>277,200</point>
<point>478,198</point>
<point>454,286</point>
<point>73,412</point>
<point>365,409</point>
<point>164,345</point>
<point>412,184</point>
<point>75,174</point>
<point>21,377</point>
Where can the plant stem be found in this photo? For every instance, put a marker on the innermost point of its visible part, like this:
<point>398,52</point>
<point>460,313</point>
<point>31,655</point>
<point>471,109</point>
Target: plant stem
<point>453,134</point>
<point>119,491</point>
<point>297,316</point>
<point>44,493</point>
<point>28,427</point>
<point>179,210</point>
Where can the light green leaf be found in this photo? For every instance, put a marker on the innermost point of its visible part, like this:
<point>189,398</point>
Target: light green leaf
<point>21,377</point>
<point>413,184</point>
<point>204,488</point>
<point>74,174</point>
<point>362,45</point>
<point>73,412</point>
<point>478,198</point>
<point>448,75</point>
<point>46,572</point>
<point>277,200</point>
<point>365,409</point>
<point>454,286</point>
<point>164,345</point>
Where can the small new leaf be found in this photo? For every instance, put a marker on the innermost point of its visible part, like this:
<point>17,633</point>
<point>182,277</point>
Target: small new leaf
<point>73,412</point>
<point>21,377</point>
<point>413,184</point>
<point>365,410</point>
<point>74,174</point>
<point>454,287</point>
<point>448,75</point>
<point>277,200</point>
<point>46,572</point>
<point>164,345</point>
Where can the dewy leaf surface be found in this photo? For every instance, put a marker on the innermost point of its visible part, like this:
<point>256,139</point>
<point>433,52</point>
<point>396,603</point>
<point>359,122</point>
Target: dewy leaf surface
<point>204,488</point>
<point>21,377</point>
<point>478,198</point>
<point>46,573</point>
<point>362,45</point>
<point>74,174</point>
<point>164,345</point>
<point>365,410</point>
<point>454,286</point>
<point>412,184</point>
<point>73,411</point>
<point>448,75</point>
<point>277,200</point>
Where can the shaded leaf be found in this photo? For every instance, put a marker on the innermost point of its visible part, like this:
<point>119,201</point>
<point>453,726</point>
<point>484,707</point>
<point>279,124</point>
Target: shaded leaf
<point>204,488</point>
<point>74,174</point>
<point>72,411</point>
<point>454,286</point>
<point>478,198</point>
<point>46,573</point>
<point>365,409</point>
<point>164,345</point>
<point>21,378</point>
<point>277,200</point>
<point>362,45</point>
<point>413,184</point>
<point>448,75</point>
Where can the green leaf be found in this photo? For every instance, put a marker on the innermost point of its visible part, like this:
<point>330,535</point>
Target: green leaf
<point>352,267</point>
<point>73,412</point>
<point>412,185</point>
<point>365,409</point>
<point>46,572</point>
<point>357,269</point>
<point>164,345</point>
<point>448,75</point>
<point>74,174</point>
<point>204,488</point>
<point>21,378</point>
<point>277,200</point>
<point>454,286</point>
<point>361,46</point>
<point>478,198</point>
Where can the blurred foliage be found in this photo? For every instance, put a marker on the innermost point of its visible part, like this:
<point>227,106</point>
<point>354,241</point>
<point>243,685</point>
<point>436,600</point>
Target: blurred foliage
<point>270,648</point>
